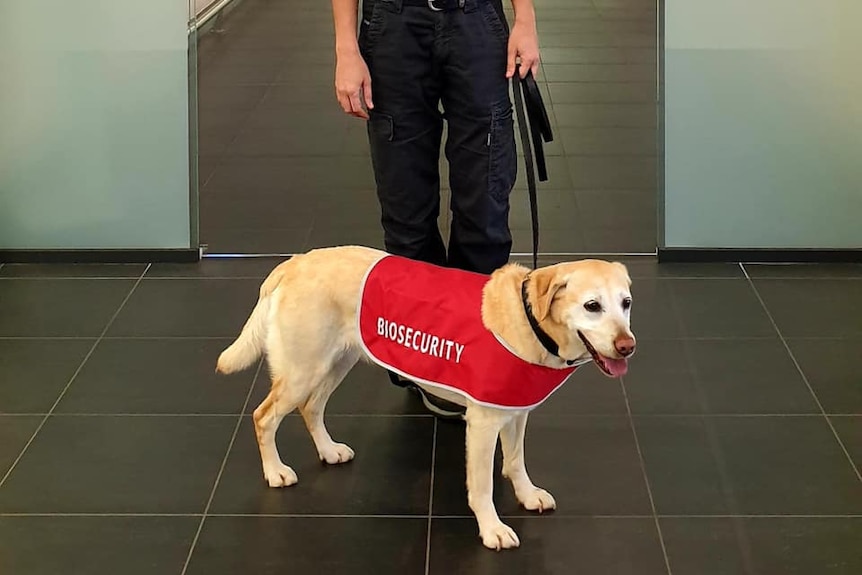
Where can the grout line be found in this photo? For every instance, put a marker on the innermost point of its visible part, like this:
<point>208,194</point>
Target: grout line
<point>804,377</point>
<point>429,416</point>
<point>74,376</point>
<point>239,421</point>
<point>548,517</point>
<point>650,338</point>
<point>646,478</point>
<point>69,278</point>
<point>431,500</point>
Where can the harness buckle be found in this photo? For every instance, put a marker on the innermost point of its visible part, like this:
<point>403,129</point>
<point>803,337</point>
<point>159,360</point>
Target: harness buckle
<point>433,7</point>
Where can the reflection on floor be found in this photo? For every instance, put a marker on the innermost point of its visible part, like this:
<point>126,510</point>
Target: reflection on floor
<point>283,169</point>
<point>728,448</point>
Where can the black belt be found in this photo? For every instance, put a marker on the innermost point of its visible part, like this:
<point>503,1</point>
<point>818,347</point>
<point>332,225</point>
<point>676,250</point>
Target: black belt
<point>436,5</point>
<point>540,128</point>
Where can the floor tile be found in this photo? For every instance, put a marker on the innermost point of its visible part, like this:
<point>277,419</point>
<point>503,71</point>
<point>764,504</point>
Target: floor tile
<point>799,545</point>
<point>566,39</point>
<point>716,376</point>
<point>719,308</point>
<point>274,545</point>
<point>256,240</point>
<point>653,314</point>
<point>805,308</point>
<point>747,465</point>
<point>59,307</point>
<point>211,267</point>
<point>605,115</point>
<point>187,307</point>
<point>72,270</point>
<point>16,431</point>
<point>282,176</point>
<point>598,92</point>
<point>804,271</point>
<point>609,141</point>
<point>588,392</point>
<point>552,546</point>
<point>648,267</point>
<point>603,73</point>
<point>156,376</point>
<point>393,454</point>
<point>35,371</point>
<point>636,240</point>
<point>830,365</point>
<point>566,240</point>
<point>233,99</point>
<point>119,465</point>
<point>95,545</point>
<point>365,391</point>
<point>849,429</point>
<point>595,55</point>
<point>261,136</point>
<point>221,213</point>
<point>598,473</point>
<point>557,210</point>
<point>612,172</point>
<point>322,236</point>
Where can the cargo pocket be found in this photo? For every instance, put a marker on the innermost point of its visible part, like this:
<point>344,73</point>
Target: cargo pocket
<point>502,154</point>
<point>381,127</point>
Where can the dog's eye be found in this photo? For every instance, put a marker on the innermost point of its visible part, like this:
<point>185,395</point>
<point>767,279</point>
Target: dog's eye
<point>593,306</point>
<point>627,303</point>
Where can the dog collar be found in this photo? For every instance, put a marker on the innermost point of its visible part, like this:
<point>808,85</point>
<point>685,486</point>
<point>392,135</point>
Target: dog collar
<point>546,340</point>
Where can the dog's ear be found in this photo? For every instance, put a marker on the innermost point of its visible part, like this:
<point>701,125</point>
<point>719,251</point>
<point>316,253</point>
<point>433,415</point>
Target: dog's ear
<point>624,270</point>
<point>546,284</point>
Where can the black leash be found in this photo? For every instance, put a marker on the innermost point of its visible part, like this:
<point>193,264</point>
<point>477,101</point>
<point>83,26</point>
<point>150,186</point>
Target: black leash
<point>527,91</point>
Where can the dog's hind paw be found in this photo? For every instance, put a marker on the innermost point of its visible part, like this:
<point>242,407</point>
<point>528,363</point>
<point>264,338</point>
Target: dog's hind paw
<point>499,536</point>
<point>538,500</point>
<point>336,453</point>
<point>279,475</point>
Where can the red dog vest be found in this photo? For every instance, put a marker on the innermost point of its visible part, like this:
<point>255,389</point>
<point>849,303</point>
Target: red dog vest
<point>424,322</point>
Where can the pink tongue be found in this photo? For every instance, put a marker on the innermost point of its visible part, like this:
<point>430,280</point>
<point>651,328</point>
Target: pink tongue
<point>617,367</point>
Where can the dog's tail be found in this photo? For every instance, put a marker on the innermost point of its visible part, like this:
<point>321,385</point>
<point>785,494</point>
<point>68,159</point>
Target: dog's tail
<point>249,346</point>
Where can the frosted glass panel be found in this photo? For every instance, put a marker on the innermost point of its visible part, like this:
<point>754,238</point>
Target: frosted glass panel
<point>763,124</point>
<point>94,124</point>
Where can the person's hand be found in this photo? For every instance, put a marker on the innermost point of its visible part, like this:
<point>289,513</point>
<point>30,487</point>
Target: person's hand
<point>353,84</point>
<point>523,44</point>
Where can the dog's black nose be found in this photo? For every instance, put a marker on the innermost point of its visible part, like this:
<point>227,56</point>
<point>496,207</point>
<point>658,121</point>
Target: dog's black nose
<point>625,345</point>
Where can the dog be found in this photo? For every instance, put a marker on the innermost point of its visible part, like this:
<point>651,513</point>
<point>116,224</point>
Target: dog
<point>552,320</point>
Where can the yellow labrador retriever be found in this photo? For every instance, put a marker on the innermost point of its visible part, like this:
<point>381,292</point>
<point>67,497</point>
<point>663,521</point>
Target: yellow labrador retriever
<point>306,322</point>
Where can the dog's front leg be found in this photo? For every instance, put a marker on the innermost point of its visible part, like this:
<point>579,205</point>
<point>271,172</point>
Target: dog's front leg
<point>514,466</point>
<point>483,427</point>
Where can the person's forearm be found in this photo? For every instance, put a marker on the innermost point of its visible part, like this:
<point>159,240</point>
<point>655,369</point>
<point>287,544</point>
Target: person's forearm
<point>524,11</point>
<point>344,12</point>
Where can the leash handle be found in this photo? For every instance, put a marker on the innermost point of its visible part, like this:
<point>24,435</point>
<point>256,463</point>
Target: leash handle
<point>517,86</point>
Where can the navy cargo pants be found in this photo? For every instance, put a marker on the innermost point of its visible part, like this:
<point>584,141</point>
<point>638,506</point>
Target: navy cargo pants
<point>420,55</point>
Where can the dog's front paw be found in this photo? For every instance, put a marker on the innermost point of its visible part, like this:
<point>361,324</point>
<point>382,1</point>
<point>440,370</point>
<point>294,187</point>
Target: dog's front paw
<point>539,500</point>
<point>336,453</point>
<point>279,475</point>
<point>499,536</point>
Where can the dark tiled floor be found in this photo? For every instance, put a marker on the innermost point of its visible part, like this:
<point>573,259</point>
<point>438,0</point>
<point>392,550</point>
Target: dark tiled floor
<point>732,447</point>
<point>282,169</point>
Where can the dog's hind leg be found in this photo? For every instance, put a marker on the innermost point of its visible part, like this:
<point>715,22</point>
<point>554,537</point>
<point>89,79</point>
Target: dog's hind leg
<point>313,408</point>
<point>267,418</point>
<point>514,467</point>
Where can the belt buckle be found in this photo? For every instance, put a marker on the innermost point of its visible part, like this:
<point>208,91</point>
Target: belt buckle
<point>433,7</point>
